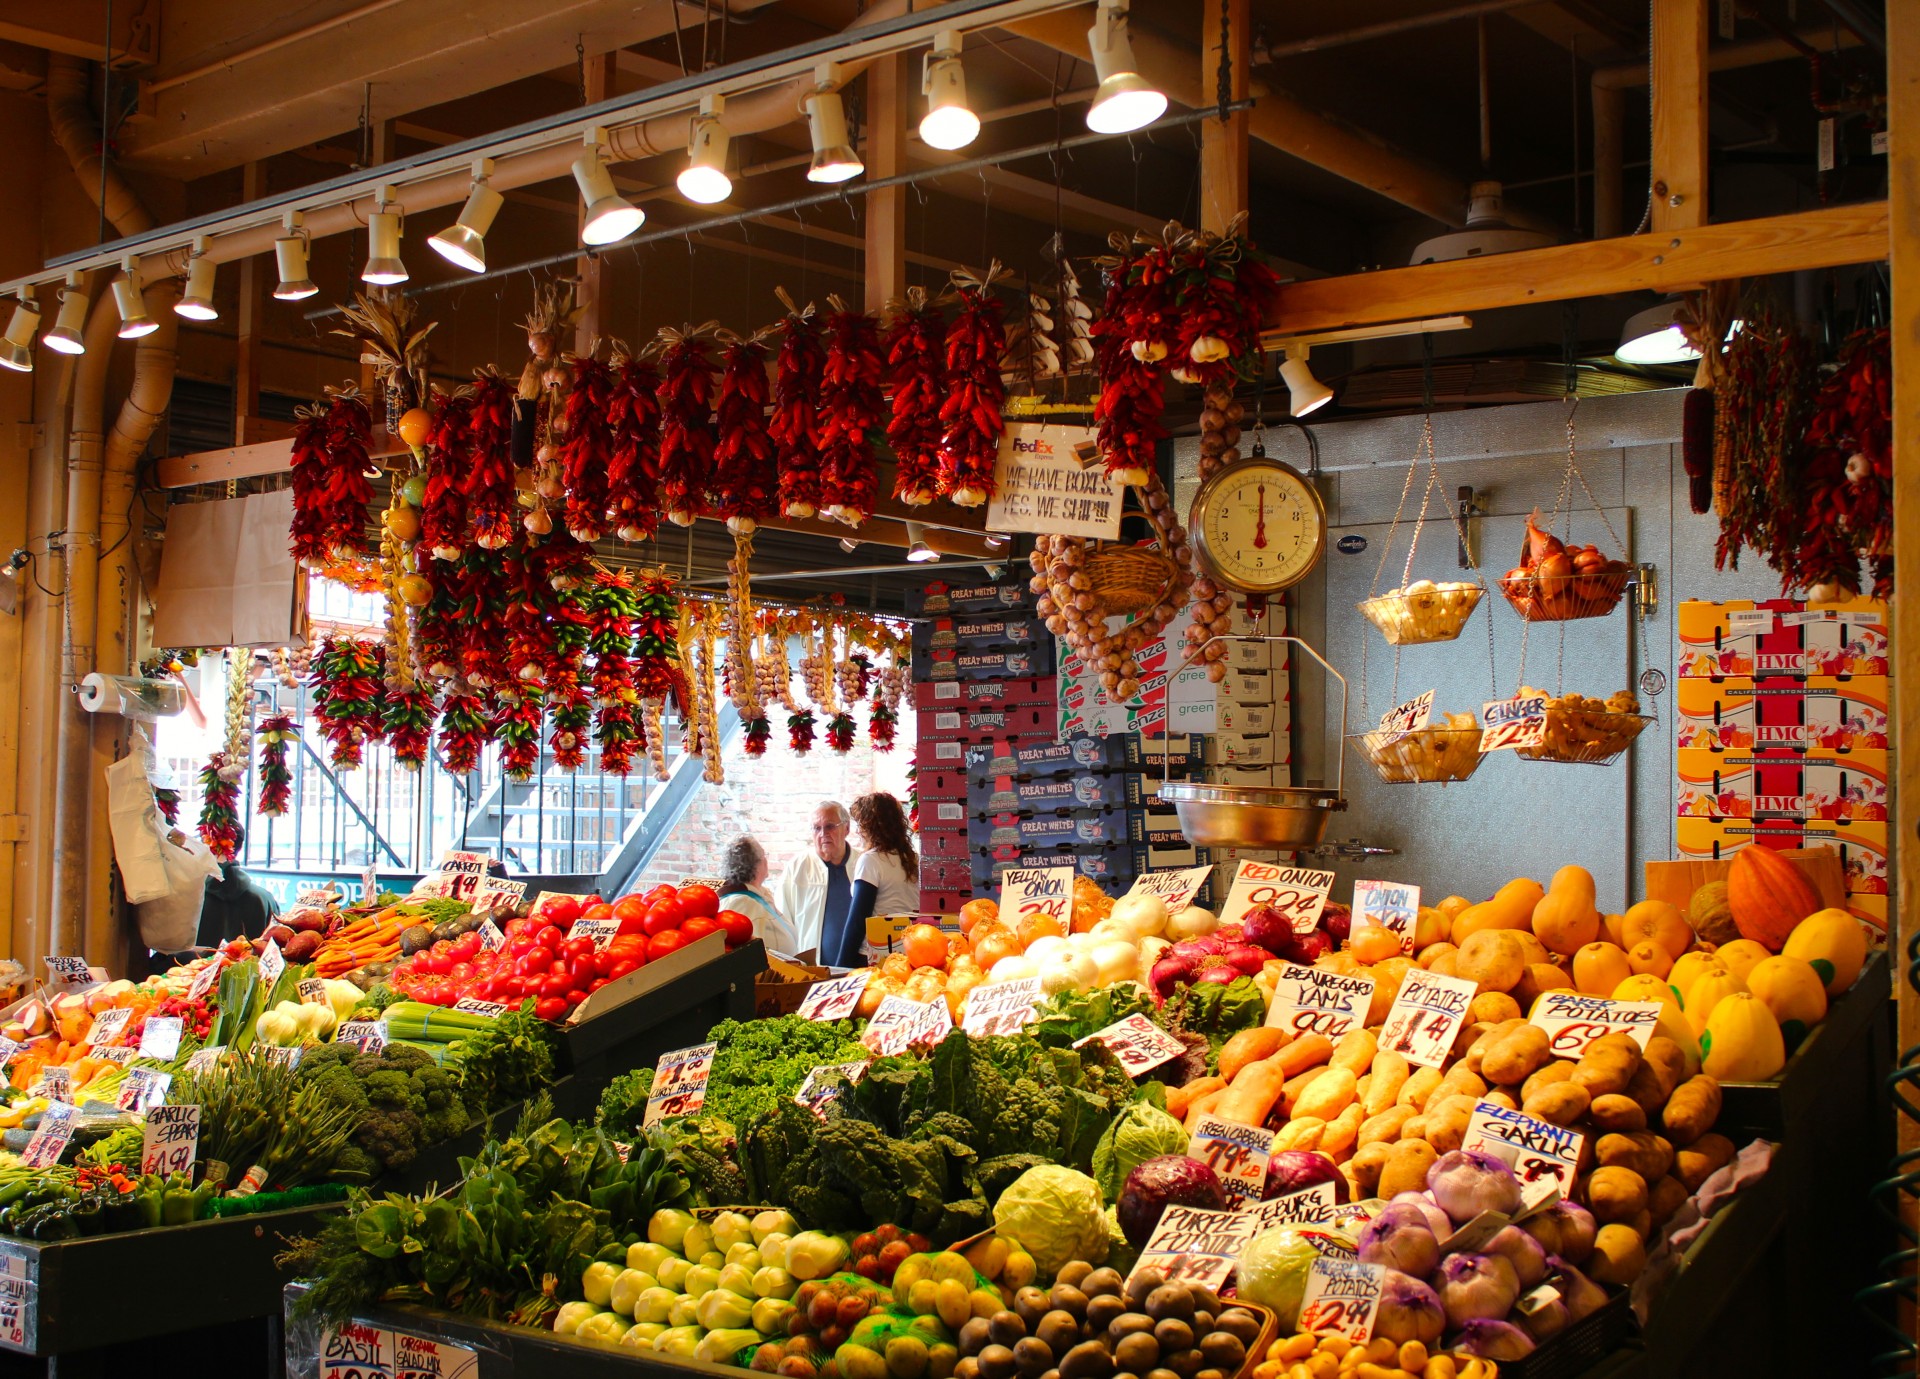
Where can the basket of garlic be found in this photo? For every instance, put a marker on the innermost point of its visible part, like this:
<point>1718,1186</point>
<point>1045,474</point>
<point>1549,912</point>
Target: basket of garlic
<point>1423,611</point>
<point>1447,749</point>
<point>1585,731</point>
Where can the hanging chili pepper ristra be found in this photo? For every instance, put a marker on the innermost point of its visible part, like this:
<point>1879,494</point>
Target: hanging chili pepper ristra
<point>1846,479</point>
<point>851,408</point>
<point>517,726</point>
<point>406,718</point>
<point>330,488</point>
<point>687,434</point>
<point>586,449</point>
<point>746,479</point>
<point>1223,292</point>
<point>915,347</point>
<point>618,733</point>
<point>572,721</point>
<point>167,801</point>
<point>464,731</point>
<point>219,826</point>
<point>657,673</point>
<point>796,393</point>
<point>276,733</point>
<point>490,493</point>
<point>975,393</point>
<point>445,528</point>
<point>633,466</point>
<point>483,603</point>
<point>346,683</point>
<point>1132,338</point>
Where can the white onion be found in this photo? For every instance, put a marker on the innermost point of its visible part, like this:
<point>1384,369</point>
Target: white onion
<point>1043,948</point>
<point>1117,959</point>
<point>1067,971</point>
<point>1110,929</point>
<point>1144,915</point>
<point>1191,922</point>
<point>1012,968</point>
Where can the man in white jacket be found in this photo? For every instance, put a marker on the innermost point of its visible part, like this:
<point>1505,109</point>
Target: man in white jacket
<point>819,879</point>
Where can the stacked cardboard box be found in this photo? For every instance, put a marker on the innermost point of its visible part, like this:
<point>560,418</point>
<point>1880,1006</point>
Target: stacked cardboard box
<point>1782,733</point>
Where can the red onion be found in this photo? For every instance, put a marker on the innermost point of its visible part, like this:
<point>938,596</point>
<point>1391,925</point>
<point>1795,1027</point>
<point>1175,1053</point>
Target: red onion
<point>1270,929</point>
<point>1308,947</point>
<point>1170,971</point>
<point>1222,974</point>
<point>1245,959</point>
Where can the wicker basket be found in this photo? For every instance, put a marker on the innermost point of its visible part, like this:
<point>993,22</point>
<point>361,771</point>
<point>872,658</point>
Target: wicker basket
<point>1578,596</point>
<point>1429,615</point>
<point>1432,754</point>
<point>1129,579</point>
<point>1586,737</point>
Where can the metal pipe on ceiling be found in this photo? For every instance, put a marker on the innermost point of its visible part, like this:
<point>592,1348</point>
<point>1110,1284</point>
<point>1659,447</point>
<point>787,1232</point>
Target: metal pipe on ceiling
<point>1391,27</point>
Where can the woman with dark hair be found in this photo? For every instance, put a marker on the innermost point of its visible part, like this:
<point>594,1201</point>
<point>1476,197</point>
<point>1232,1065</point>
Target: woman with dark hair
<point>886,880</point>
<point>745,873</point>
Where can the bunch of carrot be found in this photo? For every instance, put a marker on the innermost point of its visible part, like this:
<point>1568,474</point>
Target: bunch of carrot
<point>374,938</point>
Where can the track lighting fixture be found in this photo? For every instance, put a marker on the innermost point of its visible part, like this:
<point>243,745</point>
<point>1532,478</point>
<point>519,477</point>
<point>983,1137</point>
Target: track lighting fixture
<point>1126,100</point>
<point>833,157</point>
<point>918,551</point>
<point>464,243</point>
<point>384,268</point>
<point>196,304</point>
<point>704,179</point>
<point>68,335</point>
<point>1308,393</point>
<point>16,348</point>
<point>134,321</point>
<point>290,252</point>
<point>948,123</point>
<point>610,217</point>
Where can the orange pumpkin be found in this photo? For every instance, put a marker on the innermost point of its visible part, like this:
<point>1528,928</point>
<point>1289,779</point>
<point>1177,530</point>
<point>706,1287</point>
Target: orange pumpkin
<point>1769,896</point>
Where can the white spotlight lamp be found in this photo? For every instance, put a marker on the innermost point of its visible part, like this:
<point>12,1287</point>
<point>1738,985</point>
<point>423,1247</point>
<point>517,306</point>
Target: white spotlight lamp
<point>134,321</point>
<point>918,551</point>
<point>197,302</point>
<point>610,217</point>
<point>290,254</point>
<point>704,179</point>
<point>384,268</point>
<point>16,348</point>
<point>833,157</point>
<point>1654,336</point>
<point>948,123</point>
<point>68,335</point>
<point>464,243</point>
<point>1308,393</point>
<point>1126,100</point>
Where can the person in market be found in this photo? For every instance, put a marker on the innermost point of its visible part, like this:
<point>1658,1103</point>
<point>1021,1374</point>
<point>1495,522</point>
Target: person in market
<point>819,882</point>
<point>886,878</point>
<point>744,873</point>
<point>235,906</point>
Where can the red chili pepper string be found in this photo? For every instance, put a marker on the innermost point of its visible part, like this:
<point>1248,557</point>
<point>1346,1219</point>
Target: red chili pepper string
<point>687,433</point>
<point>915,347</point>
<point>406,717</point>
<point>330,487</point>
<point>444,526</point>
<point>1132,336</point>
<point>491,498</point>
<point>633,464</point>
<point>881,723</point>
<point>840,732</point>
<point>620,735</point>
<point>346,684</point>
<point>464,731</point>
<point>276,733</point>
<point>657,673</point>
<point>800,731</point>
<point>517,725</point>
<point>798,367</point>
<point>851,408</point>
<point>483,601</point>
<point>219,807</point>
<point>586,452</point>
<point>975,394</point>
<point>572,721</point>
<point>746,478</point>
<point>1845,515</point>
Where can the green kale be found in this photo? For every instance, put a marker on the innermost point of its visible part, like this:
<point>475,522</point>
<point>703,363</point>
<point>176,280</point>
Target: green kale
<point>623,1106</point>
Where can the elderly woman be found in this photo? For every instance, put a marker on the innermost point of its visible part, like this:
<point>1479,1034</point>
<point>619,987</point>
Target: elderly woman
<point>745,868</point>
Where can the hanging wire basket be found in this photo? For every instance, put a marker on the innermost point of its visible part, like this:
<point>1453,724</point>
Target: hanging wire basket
<point>1584,731</point>
<point>1423,611</point>
<point>1438,753</point>
<point>1564,598</point>
<point>1130,579</point>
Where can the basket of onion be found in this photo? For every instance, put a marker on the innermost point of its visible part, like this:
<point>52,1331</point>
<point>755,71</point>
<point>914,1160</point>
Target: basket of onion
<point>1555,582</point>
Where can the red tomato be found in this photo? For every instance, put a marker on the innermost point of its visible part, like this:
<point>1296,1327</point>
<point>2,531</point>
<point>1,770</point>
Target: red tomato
<point>486,959</point>
<point>561,909</point>
<point>603,962</point>
<point>466,946</point>
<point>622,966</point>
<point>550,1008</point>
<point>597,912</point>
<point>577,948</point>
<point>698,926</point>
<point>557,983</point>
<point>663,891</point>
<point>437,963</point>
<point>739,928</point>
<point>523,942</point>
<point>630,910</point>
<point>550,938</point>
<point>533,963</point>
<point>596,984</point>
<point>629,946</point>
<point>700,900</point>
<point>574,998</point>
<point>461,972</point>
<point>664,943</point>
<point>662,916</point>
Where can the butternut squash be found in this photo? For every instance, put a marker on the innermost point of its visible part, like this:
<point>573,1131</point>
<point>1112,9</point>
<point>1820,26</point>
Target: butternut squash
<point>1659,922</point>
<point>1564,919</point>
<point>1600,967</point>
<point>1511,908</point>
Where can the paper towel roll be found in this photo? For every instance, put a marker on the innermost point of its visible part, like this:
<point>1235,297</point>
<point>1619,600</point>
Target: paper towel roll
<point>130,696</point>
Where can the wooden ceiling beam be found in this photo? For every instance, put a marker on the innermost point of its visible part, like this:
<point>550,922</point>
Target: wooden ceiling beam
<point>1830,237</point>
<point>76,27</point>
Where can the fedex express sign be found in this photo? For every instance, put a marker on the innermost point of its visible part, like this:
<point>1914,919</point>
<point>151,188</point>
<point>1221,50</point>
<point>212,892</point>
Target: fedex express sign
<point>1051,479</point>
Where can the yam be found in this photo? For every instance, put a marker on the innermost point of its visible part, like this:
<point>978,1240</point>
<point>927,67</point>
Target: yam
<point>1390,1073</point>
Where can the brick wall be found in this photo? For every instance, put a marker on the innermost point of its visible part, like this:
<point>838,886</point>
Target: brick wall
<point>773,798</point>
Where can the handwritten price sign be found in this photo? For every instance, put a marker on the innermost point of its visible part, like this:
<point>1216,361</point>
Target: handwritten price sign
<point>1001,1007</point>
<point>680,1082</point>
<point>1404,718</point>
<point>1195,1245</point>
<point>1309,1206</point>
<point>1037,891</point>
<point>1426,1016</point>
<point>1573,1021</point>
<point>1545,1157</point>
<point>834,999</point>
<point>364,1035</point>
<point>1311,1000</point>
<point>107,1026</point>
<point>1175,889</point>
<point>272,963</point>
<point>1342,1298</point>
<point>144,1088</point>
<point>1517,722</point>
<point>50,1140</point>
<point>1299,893</point>
<point>601,931</point>
<point>464,871</point>
<point>1137,1042</point>
<point>818,1091</point>
<point>1237,1153</point>
<point>899,1024</point>
<point>1391,905</point>
<point>171,1140</point>
<point>498,895</point>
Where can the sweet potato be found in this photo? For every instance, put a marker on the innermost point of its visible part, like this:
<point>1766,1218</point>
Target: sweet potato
<point>1389,1075</point>
<point>1355,1051</point>
<point>1249,1046</point>
<point>1180,1099</point>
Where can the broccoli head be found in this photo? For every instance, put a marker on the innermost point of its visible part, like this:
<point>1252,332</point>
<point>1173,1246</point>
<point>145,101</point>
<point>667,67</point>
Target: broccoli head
<point>354,1165</point>
<point>390,1135</point>
<point>392,1088</point>
<point>336,1082</point>
<point>406,1058</point>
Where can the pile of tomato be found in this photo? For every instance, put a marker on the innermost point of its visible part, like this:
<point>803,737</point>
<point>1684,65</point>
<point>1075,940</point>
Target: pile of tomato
<point>538,960</point>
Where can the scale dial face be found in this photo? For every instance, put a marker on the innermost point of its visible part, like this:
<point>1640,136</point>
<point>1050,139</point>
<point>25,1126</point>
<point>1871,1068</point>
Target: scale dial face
<point>1258,526</point>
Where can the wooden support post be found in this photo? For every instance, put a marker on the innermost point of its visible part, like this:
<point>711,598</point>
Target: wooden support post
<point>1679,98</point>
<point>1609,161</point>
<point>246,349</point>
<point>886,210</point>
<point>1223,143</point>
<point>1903,179</point>
<point>598,78</point>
